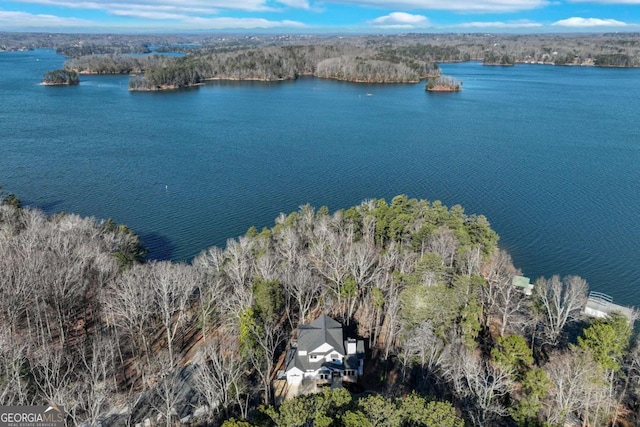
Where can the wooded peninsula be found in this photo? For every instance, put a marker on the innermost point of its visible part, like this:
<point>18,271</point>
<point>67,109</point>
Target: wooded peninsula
<point>405,58</point>
<point>448,340</point>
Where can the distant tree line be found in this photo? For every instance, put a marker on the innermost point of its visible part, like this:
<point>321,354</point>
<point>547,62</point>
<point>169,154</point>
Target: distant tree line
<point>613,60</point>
<point>116,64</point>
<point>76,50</point>
<point>424,53</point>
<point>561,49</point>
<point>495,58</point>
<point>73,44</point>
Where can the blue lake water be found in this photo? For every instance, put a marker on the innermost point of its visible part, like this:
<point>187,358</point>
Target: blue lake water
<point>551,155</point>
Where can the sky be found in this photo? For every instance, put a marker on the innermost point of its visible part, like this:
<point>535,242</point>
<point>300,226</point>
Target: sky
<point>321,16</point>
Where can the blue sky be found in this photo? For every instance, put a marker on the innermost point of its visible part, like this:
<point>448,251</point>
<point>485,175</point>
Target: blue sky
<point>321,16</point>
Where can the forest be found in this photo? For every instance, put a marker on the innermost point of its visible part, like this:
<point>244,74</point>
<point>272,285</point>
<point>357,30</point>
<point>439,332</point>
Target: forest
<point>88,322</point>
<point>561,49</point>
<point>443,83</point>
<point>269,63</point>
<point>60,77</point>
<point>400,58</point>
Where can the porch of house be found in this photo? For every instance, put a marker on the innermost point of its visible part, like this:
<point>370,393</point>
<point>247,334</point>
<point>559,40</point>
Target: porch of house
<point>312,385</point>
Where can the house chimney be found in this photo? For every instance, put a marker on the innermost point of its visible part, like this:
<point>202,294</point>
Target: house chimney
<point>351,346</point>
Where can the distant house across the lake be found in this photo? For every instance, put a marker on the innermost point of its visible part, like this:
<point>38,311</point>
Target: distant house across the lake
<point>322,353</point>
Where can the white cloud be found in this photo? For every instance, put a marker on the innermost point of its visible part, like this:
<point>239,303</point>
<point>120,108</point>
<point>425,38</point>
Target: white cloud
<point>576,22</point>
<point>499,24</point>
<point>400,20</point>
<point>607,1</point>
<point>212,6</point>
<point>183,14</point>
<point>184,6</point>
<point>472,6</point>
<point>300,4</point>
<point>147,14</point>
<point>21,20</point>
<point>239,23</point>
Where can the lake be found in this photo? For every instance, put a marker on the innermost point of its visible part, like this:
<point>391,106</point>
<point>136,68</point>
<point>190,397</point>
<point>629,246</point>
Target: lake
<point>551,155</point>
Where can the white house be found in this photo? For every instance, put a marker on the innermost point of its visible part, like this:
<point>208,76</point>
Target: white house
<point>322,352</point>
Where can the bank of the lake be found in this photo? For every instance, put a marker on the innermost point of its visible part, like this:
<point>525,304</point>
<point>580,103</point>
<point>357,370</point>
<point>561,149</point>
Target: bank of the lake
<point>549,154</point>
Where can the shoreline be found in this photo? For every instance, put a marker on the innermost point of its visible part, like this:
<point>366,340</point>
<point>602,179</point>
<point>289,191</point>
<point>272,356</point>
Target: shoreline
<point>204,81</point>
<point>444,89</point>
<point>58,84</point>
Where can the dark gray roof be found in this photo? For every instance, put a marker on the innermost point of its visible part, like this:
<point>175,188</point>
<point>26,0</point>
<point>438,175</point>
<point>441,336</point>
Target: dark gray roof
<point>303,363</point>
<point>322,330</point>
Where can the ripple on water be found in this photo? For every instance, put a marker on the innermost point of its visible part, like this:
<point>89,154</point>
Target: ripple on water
<point>547,154</point>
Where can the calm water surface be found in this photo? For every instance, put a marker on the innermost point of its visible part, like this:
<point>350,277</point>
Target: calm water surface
<point>551,155</point>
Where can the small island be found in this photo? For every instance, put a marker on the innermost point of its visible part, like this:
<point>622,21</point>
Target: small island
<point>60,77</point>
<point>443,84</point>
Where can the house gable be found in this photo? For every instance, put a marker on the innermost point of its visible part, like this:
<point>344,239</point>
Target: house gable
<point>322,350</point>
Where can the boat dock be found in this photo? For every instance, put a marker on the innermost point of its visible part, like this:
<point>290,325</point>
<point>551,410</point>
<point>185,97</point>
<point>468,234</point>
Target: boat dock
<point>601,305</point>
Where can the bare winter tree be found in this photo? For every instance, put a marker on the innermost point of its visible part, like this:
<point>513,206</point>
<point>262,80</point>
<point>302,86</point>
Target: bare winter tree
<point>172,286</point>
<point>633,369</point>
<point>14,382</point>
<point>239,268</point>
<point>20,268</point>
<point>499,296</point>
<point>129,305</point>
<point>97,381</point>
<point>479,385</point>
<point>303,287</point>
<point>423,347</point>
<point>167,387</point>
<point>327,253</point>
<point>266,263</point>
<point>211,291</point>
<point>219,378</point>
<point>210,261</point>
<point>470,260</point>
<point>289,245</point>
<point>444,243</point>
<point>560,302</point>
<point>266,337</point>
<point>394,260</point>
<point>239,261</point>
<point>575,380</point>
<point>53,374</point>
<point>363,262</point>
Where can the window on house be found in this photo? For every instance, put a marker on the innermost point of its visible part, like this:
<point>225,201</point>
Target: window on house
<point>313,356</point>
